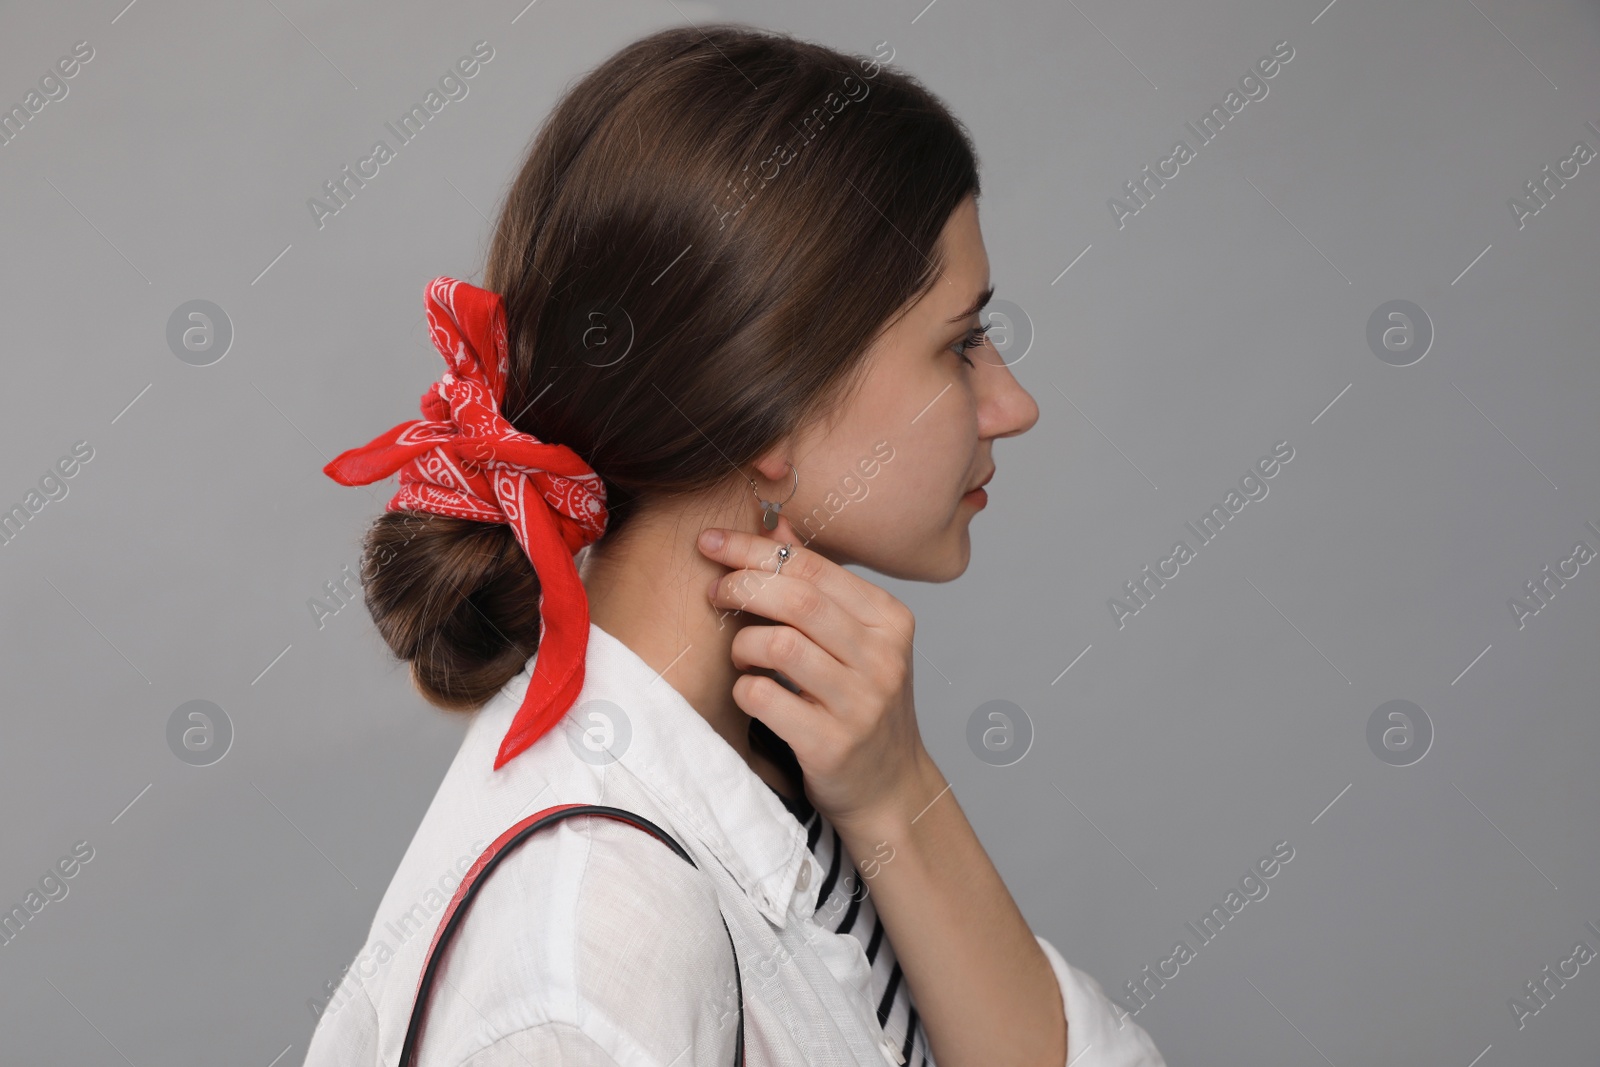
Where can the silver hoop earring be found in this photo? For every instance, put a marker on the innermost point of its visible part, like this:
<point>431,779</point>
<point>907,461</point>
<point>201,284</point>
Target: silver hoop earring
<point>770,508</point>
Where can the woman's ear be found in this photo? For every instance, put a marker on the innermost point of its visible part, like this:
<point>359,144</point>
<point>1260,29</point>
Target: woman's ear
<point>773,465</point>
<point>777,482</point>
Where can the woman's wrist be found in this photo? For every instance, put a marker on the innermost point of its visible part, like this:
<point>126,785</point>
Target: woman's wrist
<point>891,825</point>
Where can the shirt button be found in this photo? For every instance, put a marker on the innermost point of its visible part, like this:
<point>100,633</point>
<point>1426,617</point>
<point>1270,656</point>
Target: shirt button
<point>805,875</point>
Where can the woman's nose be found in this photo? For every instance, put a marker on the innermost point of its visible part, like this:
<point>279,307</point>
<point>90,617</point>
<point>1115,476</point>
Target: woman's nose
<point>1010,409</point>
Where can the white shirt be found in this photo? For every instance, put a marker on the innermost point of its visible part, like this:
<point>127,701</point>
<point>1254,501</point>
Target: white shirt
<point>593,944</point>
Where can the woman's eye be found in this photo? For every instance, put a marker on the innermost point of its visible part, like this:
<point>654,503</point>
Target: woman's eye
<point>973,339</point>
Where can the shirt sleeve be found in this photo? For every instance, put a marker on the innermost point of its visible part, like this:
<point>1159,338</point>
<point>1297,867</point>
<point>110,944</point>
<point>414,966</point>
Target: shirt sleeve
<point>1098,1033</point>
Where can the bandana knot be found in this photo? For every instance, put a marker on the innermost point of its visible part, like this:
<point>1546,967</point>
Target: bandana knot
<point>464,460</point>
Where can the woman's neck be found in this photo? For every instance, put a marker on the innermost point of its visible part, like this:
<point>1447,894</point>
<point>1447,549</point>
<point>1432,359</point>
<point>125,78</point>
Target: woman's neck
<point>647,589</point>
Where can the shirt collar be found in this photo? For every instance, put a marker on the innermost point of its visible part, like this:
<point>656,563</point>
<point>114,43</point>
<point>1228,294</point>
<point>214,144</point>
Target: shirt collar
<point>708,788</point>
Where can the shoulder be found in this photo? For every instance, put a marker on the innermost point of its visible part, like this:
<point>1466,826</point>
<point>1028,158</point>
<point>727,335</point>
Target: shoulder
<point>346,1035</point>
<point>621,903</point>
<point>596,926</point>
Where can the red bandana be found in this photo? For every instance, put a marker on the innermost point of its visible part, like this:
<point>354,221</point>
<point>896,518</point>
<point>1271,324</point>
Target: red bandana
<point>464,459</point>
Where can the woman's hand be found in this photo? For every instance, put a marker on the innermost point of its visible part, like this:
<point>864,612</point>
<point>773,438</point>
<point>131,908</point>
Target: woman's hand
<point>847,644</point>
<point>985,988</point>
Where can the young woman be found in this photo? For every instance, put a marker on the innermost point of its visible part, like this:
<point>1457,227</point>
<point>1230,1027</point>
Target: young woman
<point>728,341</point>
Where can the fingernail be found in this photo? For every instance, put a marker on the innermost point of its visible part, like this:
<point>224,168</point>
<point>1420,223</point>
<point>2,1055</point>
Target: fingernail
<point>711,590</point>
<point>711,539</point>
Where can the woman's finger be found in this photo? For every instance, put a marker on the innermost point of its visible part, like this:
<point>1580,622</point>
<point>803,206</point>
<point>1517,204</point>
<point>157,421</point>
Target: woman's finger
<point>791,599</point>
<point>878,606</point>
<point>804,725</point>
<point>783,648</point>
<point>747,551</point>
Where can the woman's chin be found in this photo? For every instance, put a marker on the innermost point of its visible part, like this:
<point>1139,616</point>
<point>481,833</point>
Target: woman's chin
<point>951,563</point>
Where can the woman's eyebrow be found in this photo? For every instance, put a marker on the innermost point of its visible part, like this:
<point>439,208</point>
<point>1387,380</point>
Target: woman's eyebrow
<point>977,305</point>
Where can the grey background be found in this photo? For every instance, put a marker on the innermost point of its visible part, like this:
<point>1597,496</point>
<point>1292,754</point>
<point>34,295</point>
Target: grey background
<point>1226,316</point>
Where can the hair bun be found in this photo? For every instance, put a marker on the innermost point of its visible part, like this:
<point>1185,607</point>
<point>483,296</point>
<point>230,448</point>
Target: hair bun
<point>457,598</point>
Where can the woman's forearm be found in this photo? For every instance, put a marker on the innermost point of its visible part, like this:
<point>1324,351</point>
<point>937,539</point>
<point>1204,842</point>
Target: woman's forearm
<point>982,985</point>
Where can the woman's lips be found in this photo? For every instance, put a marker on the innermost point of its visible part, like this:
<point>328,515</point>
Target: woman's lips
<point>978,495</point>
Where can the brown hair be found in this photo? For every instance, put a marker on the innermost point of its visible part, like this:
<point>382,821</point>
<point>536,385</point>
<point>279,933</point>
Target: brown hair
<point>706,236</point>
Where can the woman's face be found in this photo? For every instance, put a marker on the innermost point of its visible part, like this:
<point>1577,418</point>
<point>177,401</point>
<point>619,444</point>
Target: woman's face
<point>887,481</point>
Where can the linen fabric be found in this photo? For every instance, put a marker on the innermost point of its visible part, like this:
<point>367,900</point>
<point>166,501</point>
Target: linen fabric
<point>592,944</point>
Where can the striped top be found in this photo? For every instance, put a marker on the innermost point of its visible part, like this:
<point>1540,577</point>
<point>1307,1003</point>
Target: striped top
<point>844,905</point>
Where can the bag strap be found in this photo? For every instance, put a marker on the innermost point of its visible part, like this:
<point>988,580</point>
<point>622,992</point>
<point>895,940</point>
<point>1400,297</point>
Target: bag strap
<point>486,862</point>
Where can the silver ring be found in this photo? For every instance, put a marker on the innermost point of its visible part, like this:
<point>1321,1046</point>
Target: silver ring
<point>785,553</point>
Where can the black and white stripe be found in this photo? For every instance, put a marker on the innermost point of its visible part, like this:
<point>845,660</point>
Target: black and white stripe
<point>844,906</point>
